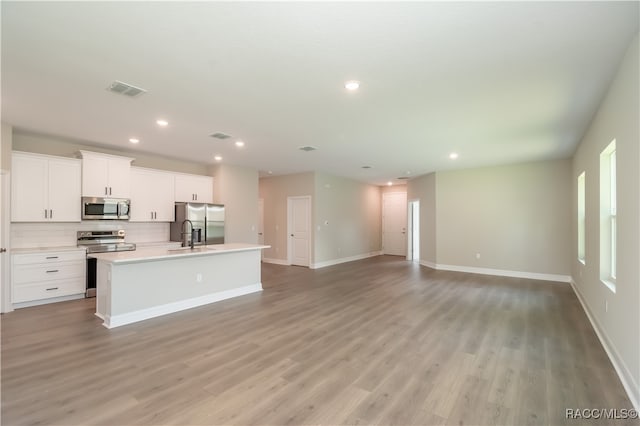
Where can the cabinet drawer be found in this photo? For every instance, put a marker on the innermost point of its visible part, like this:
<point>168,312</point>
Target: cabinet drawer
<point>23,274</point>
<point>53,288</point>
<point>48,257</point>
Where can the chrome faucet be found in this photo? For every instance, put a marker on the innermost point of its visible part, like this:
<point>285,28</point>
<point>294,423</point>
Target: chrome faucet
<point>188,233</point>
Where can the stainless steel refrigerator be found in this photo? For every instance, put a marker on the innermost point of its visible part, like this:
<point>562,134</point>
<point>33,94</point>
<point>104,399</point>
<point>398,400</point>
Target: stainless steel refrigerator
<point>209,218</point>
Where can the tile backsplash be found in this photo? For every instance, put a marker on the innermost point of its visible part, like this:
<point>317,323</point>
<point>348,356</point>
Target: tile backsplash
<point>36,235</point>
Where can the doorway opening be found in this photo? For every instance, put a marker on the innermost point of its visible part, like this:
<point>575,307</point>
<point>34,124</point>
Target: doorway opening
<point>413,221</point>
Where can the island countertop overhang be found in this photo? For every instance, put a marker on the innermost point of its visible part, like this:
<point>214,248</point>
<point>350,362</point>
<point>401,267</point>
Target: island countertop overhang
<point>152,254</point>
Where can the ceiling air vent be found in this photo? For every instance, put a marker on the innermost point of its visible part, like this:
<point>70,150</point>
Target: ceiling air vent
<point>125,89</point>
<point>307,148</point>
<point>220,135</point>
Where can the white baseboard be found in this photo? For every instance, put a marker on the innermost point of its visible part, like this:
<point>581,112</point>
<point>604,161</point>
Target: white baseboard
<point>275,261</point>
<point>497,272</point>
<point>344,260</point>
<point>47,301</point>
<point>169,308</point>
<point>630,386</point>
<point>428,264</point>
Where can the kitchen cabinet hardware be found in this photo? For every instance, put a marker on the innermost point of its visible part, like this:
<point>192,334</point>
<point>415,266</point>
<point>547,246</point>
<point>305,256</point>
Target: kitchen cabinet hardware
<point>52,270</point>
<point>52,288</point>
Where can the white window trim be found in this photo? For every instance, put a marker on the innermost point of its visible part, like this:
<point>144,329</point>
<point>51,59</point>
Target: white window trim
<point>608,217</point>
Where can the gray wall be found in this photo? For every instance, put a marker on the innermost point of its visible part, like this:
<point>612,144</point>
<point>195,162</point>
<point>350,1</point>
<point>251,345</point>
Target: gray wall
<point>237,188</point>
<point>275,190</point>
<point>352,210</point>
<point>617,118</point>
<point>423,188</point>
<point>517,217</point>
<point>6,143</point>
<point>44,144</point>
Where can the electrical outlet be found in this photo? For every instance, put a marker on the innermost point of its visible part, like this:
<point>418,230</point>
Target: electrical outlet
<point>199,277</point>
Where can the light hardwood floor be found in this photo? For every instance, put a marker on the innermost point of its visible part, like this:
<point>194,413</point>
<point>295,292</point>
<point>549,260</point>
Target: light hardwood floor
<point>378,341</point>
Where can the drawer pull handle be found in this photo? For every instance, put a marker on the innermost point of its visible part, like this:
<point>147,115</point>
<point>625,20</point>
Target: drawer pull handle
<point>52,257</point>
<point>52,270</point>
<point>52,288</point>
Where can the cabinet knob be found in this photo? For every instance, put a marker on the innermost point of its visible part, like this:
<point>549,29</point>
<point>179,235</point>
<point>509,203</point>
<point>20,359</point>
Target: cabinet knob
<point>3,250</point>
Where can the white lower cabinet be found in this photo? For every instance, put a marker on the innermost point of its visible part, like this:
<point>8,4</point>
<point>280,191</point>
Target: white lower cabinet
<point>47,275</point>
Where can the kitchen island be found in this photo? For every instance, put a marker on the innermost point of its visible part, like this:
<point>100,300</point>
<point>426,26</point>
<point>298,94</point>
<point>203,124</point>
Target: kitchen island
<point>137,285</point>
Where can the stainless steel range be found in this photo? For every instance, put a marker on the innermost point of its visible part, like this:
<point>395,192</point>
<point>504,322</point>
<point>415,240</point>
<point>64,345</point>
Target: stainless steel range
<point>100,242</point>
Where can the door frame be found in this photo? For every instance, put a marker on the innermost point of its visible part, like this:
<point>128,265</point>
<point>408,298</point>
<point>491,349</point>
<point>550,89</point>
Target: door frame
<point>410,232</point>
<point>290,226</point>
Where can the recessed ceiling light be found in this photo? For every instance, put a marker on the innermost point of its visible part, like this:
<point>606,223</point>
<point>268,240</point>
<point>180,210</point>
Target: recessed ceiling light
<point>218,158</point>
<point>389,183</point>
<point>453,155</point>
<point>270,172</point>
<point>162,123</point>
<point>352,85</point>
<point>134,140</point>
<point>239,144</point>
<point>408,172</point>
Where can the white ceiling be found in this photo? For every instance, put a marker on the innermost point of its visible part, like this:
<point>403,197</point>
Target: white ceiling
<point>496,82</point>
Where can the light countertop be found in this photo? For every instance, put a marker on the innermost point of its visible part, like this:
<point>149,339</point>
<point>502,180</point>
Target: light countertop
<point>162,253</point>
<point>35,250</point>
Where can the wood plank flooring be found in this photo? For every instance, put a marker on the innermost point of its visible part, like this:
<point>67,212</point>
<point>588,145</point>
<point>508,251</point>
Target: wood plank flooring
<point>379,341</point>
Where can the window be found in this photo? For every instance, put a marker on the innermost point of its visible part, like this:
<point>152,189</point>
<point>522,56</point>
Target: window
<point>608,216</point>
<point>581,217</point>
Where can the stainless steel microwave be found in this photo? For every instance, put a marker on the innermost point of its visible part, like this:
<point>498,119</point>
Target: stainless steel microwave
<point>94,208</point>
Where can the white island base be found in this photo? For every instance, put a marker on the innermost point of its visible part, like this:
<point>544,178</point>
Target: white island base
<point>142,284</point>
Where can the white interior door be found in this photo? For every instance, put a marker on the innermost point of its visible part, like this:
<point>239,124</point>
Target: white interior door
<point>5,240</point>
<point>261,223</point>
<point>299,230</point>
<point>394,223</point>
<point>413,231</point>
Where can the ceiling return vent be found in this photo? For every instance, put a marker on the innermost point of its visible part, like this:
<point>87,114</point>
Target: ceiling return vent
<point>307,148</point>
<point>220,135</point>
<point>125,89</point>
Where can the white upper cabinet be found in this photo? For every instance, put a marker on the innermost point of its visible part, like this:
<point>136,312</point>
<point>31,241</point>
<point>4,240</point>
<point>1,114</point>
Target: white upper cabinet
<point>105,175</point>
<point>152,193</point>
<point>44,188</point>
<point>194,188</point>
